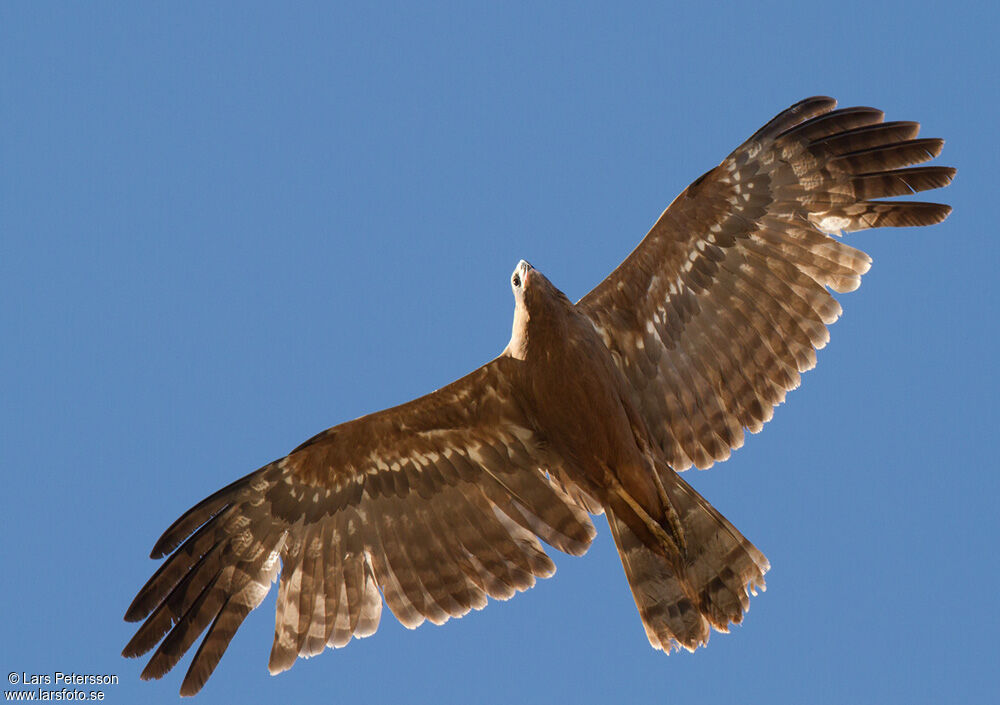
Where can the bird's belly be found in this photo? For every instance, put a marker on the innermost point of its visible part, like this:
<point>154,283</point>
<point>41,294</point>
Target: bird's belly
<point>582,413</point>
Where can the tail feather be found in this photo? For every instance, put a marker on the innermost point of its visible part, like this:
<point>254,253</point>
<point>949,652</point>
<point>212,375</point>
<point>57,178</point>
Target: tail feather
<point>670,616</point>
<point>680,600</point>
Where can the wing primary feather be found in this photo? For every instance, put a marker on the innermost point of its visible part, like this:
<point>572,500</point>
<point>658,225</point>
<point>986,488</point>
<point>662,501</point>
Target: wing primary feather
<point>436,505</point>
<point>200,513</point>
<point>796,114</point>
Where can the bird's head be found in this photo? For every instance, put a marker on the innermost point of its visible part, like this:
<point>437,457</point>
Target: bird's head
<point>519,279</point>
<point>531,289</point>
<point>536,301</point>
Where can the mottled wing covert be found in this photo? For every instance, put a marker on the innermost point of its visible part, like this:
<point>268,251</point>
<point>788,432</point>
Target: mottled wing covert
<point>723,304</point>
<point>434,505</point>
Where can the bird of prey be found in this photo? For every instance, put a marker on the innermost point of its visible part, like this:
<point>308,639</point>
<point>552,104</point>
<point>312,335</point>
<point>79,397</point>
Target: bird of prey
<point>435,505</point>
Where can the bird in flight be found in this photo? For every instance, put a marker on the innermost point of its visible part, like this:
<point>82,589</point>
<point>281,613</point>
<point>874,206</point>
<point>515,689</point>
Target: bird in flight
<point>594,407</point>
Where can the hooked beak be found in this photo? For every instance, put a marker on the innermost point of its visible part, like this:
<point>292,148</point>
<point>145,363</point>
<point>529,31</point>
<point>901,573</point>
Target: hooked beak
<point>524,268</point>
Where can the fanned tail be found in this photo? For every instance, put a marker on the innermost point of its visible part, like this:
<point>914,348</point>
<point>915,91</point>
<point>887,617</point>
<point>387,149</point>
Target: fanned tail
<point>679,600</point>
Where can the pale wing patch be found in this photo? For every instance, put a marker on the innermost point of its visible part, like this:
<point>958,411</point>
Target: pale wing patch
<point>722,306</point>
<point>430,506</point>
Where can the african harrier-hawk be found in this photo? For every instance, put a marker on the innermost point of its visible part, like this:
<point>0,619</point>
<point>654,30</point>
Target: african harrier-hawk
<point>592,407</point>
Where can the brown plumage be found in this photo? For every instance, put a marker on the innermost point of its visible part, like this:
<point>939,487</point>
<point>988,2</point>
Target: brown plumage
<point>438,504</point>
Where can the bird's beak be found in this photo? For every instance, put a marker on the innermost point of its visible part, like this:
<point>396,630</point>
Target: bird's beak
<point>525,269</point>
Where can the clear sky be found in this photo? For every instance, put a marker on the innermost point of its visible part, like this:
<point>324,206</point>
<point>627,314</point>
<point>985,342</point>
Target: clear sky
<point>225,227</point>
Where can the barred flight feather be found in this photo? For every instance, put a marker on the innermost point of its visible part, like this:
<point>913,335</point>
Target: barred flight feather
<point>434,506</point>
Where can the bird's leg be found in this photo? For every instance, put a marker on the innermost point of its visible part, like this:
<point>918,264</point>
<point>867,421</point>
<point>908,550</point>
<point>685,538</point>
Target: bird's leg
<point>638,431</point>
<point>662,537</point>
<point>672,516</point>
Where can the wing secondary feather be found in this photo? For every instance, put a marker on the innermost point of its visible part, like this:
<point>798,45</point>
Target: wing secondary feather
<point>434,506</point>
<point>721,307</point>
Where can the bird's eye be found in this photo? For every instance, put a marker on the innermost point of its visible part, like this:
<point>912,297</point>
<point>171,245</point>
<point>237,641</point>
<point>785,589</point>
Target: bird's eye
<point>517,280</point>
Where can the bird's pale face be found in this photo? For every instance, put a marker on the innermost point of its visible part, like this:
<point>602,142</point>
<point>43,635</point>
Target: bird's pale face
<point>519,280</point>
<point>535,296</point>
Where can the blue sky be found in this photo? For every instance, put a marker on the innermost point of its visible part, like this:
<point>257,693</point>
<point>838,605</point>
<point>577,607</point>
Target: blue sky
<point>224,228</point>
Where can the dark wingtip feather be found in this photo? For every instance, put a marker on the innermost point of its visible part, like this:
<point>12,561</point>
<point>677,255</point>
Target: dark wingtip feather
<point>943,212</point>
<point>214,646</point>
<point>188,523</point>
<point>917,213</point>
<point>134,611</point>
<point>891,156</point>
<point>148,596</point>
<point>833,122</point>
<point>901,182</point>
<point>185,632</point>
<point>868,136</point>
<point>200,513</point>
<point>149,634</point>
<point>794,115</point>
<point>901,214</point>
<point>176,570</point>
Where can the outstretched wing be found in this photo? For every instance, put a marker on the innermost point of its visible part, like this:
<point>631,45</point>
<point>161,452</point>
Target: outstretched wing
<point>436,503</point>
<point>721,306</point>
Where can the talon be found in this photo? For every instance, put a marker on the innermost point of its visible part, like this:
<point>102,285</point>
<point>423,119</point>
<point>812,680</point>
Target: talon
<point>672,516</point>
<point>671,548</point>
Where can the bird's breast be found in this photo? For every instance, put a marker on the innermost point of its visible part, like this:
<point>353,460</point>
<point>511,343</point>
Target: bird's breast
<point>577,400</point>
